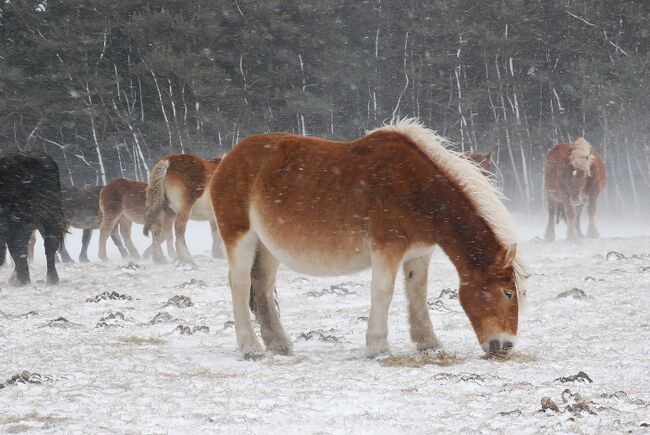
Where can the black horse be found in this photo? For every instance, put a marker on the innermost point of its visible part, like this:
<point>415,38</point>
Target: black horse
<point>30,198</point>
<point>81,210</point>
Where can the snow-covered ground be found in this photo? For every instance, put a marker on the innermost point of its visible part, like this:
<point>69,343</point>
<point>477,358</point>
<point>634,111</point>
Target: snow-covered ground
<point>109,367</point>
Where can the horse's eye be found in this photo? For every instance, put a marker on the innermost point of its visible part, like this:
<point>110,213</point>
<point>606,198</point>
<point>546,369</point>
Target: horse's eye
<point>507,293</point>
<point>575,172</point>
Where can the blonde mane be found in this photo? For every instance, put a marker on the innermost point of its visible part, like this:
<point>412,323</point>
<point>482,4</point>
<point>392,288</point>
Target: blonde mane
<point>581,157</point>
<point>469,177</point>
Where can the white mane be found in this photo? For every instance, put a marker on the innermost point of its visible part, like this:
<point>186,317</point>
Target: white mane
<point>469,177</point>
<point>581,156</point>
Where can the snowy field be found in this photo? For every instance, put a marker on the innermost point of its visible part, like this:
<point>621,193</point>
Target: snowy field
<point>146,360</point>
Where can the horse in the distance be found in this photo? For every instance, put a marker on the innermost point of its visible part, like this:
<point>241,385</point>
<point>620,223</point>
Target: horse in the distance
<point>81,210</point>
<point>484,160</point>
<point>575,176</point>
<point>383,201</point>
<point>30,199</point>
<point>181,182</point>
<point>124,201</point>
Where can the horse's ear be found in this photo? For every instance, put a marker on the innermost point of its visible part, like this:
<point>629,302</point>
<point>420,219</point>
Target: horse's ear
<point>488,157</point>
<point>509,255</point>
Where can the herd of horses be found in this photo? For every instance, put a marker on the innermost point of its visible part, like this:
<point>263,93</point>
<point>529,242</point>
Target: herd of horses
<point>321,207</point>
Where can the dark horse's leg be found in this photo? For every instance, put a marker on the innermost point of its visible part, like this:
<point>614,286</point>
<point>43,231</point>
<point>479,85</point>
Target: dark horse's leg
<point>3,251</point>
<point>65,255</point>
<point>51,242</point>
<point>17,244</point>
<point>85,241</point>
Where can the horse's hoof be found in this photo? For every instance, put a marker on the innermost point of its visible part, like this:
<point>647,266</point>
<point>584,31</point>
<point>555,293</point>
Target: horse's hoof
<point>84,260</point>
<point>160,260</point>
<point>377,351</point>
<point>254,355</point>
<point>52,280</point>
<point>283,348</point>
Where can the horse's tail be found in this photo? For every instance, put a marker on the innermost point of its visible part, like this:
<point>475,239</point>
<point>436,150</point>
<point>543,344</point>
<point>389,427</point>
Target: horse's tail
<point>156,199</point>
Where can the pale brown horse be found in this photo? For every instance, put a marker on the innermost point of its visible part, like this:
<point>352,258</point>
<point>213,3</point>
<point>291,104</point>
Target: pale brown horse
<point>124,201</point>
<point>575,175</point>
<point>180,182</point>
<point>484,160</point>
<point>383,201</point>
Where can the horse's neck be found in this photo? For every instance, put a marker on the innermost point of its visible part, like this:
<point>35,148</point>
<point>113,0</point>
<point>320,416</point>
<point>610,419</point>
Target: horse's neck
<point>465,236</point>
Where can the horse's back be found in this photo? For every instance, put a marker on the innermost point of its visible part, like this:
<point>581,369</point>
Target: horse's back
<point>321,206</point>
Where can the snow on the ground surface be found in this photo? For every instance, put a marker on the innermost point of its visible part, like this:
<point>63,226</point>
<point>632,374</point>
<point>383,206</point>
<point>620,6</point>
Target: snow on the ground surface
<point>109,367</point>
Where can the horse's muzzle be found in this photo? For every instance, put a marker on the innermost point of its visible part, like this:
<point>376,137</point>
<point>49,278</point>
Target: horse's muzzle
<point>499,346</point>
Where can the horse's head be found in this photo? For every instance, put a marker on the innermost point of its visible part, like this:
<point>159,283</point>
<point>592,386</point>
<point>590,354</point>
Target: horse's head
<point>575,174</point>
<point>576,181</point>
<point>490,299</point>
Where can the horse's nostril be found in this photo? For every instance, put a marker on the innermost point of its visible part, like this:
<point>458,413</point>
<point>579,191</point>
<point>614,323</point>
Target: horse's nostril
<point>495,346</point>
<point>507,346</point>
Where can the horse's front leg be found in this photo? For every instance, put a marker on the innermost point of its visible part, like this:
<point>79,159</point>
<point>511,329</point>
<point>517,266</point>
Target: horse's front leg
<point>549,236</point>
<point>570,214</point>
<point>577,221</point>
<point>384,271</point>
<point>592,232</point>
<point>416,274</point>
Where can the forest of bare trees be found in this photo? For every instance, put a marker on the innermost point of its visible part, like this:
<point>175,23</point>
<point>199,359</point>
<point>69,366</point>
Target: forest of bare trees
<point>108,87</point>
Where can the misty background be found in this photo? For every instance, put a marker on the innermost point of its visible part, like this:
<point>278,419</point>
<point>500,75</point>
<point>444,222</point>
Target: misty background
<point>109,87</point>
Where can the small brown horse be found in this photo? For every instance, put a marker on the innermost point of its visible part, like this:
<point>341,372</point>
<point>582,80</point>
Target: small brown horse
<point>81,210</point>
<point>383,201</point>
<point>484,160</point>
<point>575,175</point>
<point>124,201</point>
<point>180,182</point>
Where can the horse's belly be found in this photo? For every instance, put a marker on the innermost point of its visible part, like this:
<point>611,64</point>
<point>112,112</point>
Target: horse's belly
<point>326,255</point>
<point>202,209</point>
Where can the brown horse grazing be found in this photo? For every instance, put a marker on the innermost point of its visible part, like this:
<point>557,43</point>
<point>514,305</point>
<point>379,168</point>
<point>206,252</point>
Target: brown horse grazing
<point>483,160</point>
<point>575,174</point>
<point>180,182</point>
<point>383,201</point>
<point>124,201</point>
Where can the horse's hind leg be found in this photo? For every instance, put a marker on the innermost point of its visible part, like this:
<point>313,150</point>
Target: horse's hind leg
<point>592,232</point>
<point>51,242</point>
<point>168,232</point>
<point>65,255</point>
<point>416,273</point>
<point>384,271</point>
<point>217,248</point>
<point>30,247</point>
<point>108,225</point>
<point>266,310</point>
<point>241,256</point>
<point>180,224</point>
<point>125,232</point>
<point>17,245</point>
<point>117,240</point>
<point>549,236</point>
<point>85,241</point>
